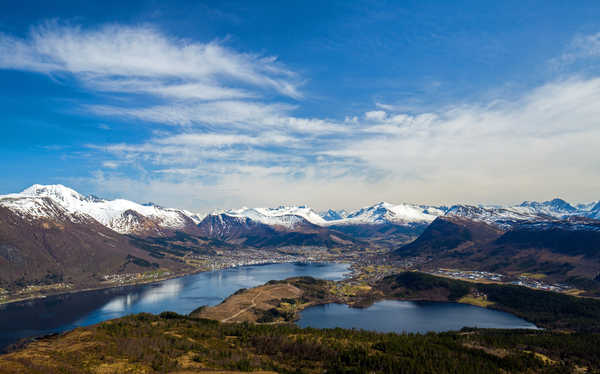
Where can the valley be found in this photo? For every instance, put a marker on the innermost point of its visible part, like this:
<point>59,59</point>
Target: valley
<point>53,240</point>
<point>106,259</point>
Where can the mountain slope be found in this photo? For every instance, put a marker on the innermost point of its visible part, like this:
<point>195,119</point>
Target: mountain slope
<point>451,234</point>
<point>295,231</point>
<point>562,250</point>
<point>66,247</point>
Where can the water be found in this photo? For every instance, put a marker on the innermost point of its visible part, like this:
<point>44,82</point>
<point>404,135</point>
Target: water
<point>181,295</point>
<point>408,316</point>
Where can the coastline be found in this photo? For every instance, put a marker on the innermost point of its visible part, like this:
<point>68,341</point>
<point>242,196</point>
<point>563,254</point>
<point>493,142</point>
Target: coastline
<point>4,303</point>
<point>99,288</point>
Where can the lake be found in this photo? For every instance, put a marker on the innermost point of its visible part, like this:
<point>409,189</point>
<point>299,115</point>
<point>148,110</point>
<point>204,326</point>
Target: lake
<point>183,295</point>
<point>409,316</point>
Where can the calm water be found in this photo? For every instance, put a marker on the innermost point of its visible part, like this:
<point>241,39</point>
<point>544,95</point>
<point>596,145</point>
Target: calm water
<point>182,295</point>
<point>408,316</point>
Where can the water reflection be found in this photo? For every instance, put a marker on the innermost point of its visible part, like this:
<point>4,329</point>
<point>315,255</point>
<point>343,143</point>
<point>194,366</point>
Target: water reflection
<point>182,295</point>
<point>407,316</point>
<point>169,289</point>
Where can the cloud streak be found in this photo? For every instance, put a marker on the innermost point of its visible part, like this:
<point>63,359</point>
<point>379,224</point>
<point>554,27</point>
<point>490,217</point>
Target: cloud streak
<point>118,58</point>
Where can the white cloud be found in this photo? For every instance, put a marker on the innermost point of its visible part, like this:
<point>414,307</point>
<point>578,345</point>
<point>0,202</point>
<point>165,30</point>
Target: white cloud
<point>585,46</point>
<point>110,164</point>
<point>378,115</point>
<point>539,146</point>
<point>227,113</point>
<point>228,145</point>
<point>142,59</point>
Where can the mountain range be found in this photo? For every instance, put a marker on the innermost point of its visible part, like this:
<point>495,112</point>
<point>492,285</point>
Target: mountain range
<point>52,232</point>
<point>127,217</point>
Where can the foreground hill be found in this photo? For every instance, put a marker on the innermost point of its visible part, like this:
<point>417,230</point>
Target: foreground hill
<point>171,343</point>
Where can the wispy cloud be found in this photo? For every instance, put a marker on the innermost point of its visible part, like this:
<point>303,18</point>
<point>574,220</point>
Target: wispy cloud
<point>583,50</point>
<point>540,145</point>
<point>190,113</point>
<point>231,135</point>
<point>144,60</point>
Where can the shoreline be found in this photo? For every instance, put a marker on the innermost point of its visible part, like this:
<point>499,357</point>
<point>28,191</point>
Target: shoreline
<point>285,301</point>
<point>5,303</point>
<point>100,288</point>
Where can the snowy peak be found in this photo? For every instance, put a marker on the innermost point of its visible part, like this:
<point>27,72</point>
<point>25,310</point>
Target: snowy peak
<point>594,212</point>
<point>334,215</point>
<point>560,204</point>
<point>586,207</point>
<point>287,216</point>
<point>529,211</point>
<point>556,207</point>
<point>54,191</point>
<point>502,217</point>
<point>127,217</point>
<point>383,213</point>
<point>123,216</point>
<point>380,213</point>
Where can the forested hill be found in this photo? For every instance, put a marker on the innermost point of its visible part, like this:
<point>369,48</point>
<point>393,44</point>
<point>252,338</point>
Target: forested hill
<point>545,309</point>
<point>171,343</point>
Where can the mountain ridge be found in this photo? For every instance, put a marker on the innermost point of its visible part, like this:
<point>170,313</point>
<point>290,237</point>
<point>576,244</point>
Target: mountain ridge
<point>128,217</point>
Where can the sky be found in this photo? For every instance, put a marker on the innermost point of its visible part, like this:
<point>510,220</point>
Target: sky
<point>203,104</point>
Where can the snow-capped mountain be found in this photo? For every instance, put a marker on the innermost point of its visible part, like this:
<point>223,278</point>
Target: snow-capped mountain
<point>594,211</point>
<point>122,216</point>
<point>41,207</point>
<point>127,217</point>
<point>334,215</point>
<point>386,213</point>
<point>587,206</point>
<point>528,211</point>
<point>555,208</point>
<point>380,213</point>
<point>502,217</point>
<point>286,216</point>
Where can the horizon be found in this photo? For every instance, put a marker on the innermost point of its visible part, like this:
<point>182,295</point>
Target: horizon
<point>320,211</point>
<point>203,106</point>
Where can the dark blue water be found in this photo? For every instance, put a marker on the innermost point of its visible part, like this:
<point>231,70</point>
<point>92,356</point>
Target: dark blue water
<point>182,295</point>
<point>408,316</point>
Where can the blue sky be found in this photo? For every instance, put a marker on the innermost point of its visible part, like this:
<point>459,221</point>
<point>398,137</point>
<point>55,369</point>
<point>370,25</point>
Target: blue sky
<point>202,105</point>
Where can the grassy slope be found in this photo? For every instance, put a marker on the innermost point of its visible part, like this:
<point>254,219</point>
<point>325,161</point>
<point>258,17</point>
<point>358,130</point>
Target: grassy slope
<point>276,301</point>
<point>177,344</point>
